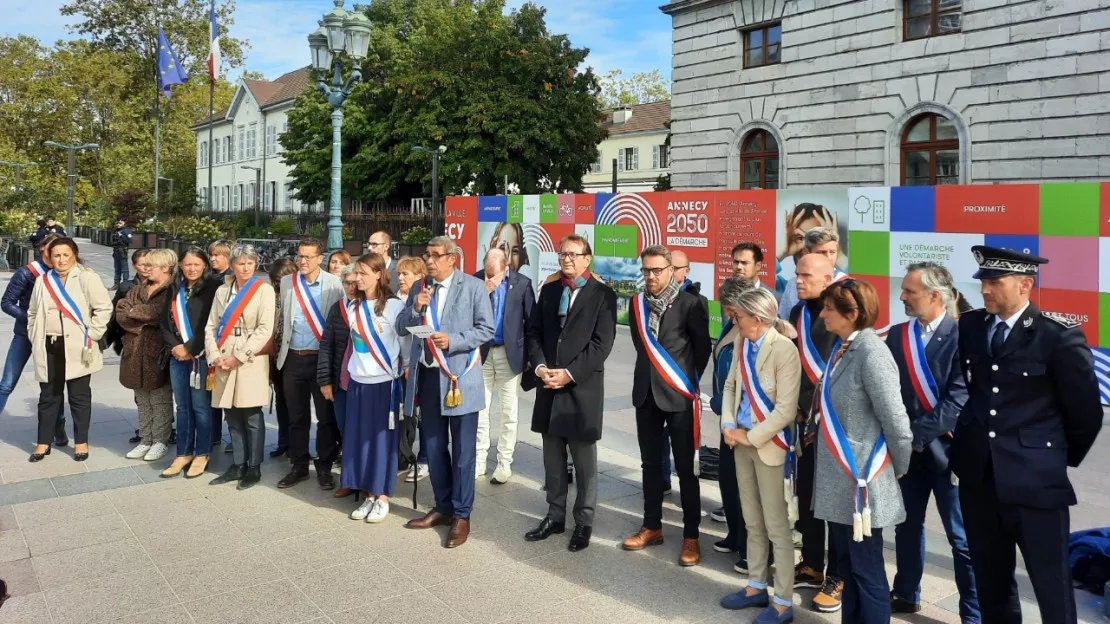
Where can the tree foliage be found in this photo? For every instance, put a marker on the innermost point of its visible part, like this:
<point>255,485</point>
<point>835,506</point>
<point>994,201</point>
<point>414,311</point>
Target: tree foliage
<point>640,88</point>
<point>500,91</point>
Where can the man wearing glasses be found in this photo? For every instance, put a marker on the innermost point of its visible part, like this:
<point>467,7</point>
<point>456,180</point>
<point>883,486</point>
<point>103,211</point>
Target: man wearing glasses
<point>447,368</point>
<point>305,296</point>
<point>381,243</point>
<point>670,331</point>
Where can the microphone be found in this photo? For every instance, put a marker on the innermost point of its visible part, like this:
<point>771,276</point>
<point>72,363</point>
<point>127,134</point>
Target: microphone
<point>428,281</point>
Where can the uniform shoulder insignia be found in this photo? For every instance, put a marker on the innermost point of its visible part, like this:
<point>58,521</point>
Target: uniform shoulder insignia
<point>1061,319</point>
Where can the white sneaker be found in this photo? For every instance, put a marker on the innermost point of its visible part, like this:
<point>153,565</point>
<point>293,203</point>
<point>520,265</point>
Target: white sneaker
<point>502,473</point>
<point>379,512</point>
<point>363,509</point>
<point>156,452</point>
<point>479,471</point>
<point>139,452</point>
<point>419,473</point>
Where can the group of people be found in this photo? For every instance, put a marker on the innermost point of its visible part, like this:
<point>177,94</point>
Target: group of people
<point>827,427</point>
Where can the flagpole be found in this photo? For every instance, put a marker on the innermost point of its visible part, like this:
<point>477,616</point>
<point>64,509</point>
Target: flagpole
<point>157,112</point>
<point>211,121</point>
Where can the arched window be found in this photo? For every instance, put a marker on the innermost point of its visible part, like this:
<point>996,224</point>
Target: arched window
<point>930,152</point>
<point>759,161</point>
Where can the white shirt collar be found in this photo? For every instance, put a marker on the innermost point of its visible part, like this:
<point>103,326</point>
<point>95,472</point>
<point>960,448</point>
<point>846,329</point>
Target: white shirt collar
<point>446,283</point>
<point>933,325</point>
<point>1013,318</point>
<point>852,336</point>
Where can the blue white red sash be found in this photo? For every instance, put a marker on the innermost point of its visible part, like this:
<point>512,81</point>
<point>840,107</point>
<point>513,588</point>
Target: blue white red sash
<point>370,342</point>
<point>762,407</point>
<point>309,307</point>
<point>667,368</point>
<point>473,359</point>
<point>839,275</point>
<point>837,440</point>
<point>343,310</point>
<point>66,305</point>
<point>921,378</point>
<point>37,268</point>
<point>180,318</point>
<point>812,362</point>
<point>235,310</point>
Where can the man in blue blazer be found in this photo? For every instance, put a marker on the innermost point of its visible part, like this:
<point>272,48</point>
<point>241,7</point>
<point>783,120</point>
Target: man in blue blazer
<point>926,350</point>
<point>512,298</point>
<point>447,369</point>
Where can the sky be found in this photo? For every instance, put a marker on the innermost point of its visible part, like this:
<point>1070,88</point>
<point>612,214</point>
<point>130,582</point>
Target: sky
<point>631,35</point>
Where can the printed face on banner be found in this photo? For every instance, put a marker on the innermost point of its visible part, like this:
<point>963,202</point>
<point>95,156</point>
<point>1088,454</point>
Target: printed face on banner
<point>800,210</point>
<point>462,226</point>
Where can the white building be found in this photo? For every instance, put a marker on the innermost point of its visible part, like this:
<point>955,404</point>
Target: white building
<point>637,140</point>
<point>246,135</point>
<point>888,92</point>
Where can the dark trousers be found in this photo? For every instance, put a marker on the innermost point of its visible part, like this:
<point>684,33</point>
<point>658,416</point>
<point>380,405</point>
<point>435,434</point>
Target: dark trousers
<point>737,536</point>
<point>650,421</point>
<point>452,449</point>
<point>52,396</point>
<point>918,485</point>
<point>280,407</point>
<point>555,478</point>
<point>119,260</point>
<point>248,435</point>
<point>812,528</point>
<point>866,598</point>
<point>217,425</point>
<point>993,530</point>
<point>301,393</point>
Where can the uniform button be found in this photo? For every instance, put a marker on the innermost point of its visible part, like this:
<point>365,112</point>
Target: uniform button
<point>1048,444</point>
<point>994,412</point>
<point>991,434</point>
<point>994,367</point>
<point>995,389</point>
<point>1025,374</point>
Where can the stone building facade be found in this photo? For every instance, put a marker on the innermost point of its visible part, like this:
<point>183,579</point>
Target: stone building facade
<point>1006,90</point>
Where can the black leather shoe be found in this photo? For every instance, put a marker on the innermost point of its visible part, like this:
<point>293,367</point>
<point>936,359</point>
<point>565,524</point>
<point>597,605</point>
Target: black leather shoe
<point>135,439</point>
<point>252,476</point>
<point>37,457</point>
<point>294,477</point>
<point>279,451</point>
<point>580,540</point>
<point>325,478</point>
<point>233,473</point>
<point>546,529</point>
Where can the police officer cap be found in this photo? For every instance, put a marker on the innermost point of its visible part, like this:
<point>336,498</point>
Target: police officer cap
<point>995,262</point>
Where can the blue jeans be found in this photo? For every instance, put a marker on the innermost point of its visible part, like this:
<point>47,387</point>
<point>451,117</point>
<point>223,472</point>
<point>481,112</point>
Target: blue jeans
<point>194,409</point>
<point>909,538</point>
<point>340,407</point>
<point>19,351</point>
<point>866,598</point>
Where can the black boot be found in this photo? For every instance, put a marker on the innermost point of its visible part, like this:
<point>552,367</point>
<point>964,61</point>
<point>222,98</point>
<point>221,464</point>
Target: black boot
<point>252,475</point>
<point>234,473</point>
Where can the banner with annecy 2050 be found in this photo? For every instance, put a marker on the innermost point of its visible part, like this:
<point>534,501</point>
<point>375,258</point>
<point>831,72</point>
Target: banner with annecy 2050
<point>882,230</point>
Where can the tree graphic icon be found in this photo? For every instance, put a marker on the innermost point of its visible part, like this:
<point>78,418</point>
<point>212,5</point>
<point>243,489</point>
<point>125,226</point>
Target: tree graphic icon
<point>862,206</point>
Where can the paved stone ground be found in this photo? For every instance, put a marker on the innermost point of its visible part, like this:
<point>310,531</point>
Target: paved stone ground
<point>108,541</point>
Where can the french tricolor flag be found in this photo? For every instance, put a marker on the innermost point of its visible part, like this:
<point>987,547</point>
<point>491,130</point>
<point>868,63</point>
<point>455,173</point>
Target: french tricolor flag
<point>214,44</point>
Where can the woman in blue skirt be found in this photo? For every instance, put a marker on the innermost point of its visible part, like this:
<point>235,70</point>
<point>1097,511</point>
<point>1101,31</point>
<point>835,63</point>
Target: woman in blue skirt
<point>370,440</point>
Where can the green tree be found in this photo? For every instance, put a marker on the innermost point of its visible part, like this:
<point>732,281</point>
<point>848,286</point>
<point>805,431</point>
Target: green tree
<point>640,88</point>
<point>500,91</point>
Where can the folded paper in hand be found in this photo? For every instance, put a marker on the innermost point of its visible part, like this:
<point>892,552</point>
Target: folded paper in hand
<point>422,331</point>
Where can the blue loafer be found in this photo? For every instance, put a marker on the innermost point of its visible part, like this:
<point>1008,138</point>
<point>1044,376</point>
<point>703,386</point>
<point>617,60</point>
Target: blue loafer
<point>741,600</point>
<point>770,615</point>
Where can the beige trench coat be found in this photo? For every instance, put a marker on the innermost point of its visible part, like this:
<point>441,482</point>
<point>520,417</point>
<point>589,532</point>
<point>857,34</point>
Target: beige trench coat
<point>92,299</point>
<point>248,385</point>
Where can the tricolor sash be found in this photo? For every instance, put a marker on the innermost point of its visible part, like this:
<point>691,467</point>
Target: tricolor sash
<point>812,362</point>
<point>229,318</point>
<point>667,368</point>
<point>343,310</point>
<point>473,359</point>
<point>370,341</point>
<point>37,269</point>
<point>913,348</point>
<point>66,305</point>
<point>762,407</point>
<point>309,307</point>
<point>839,275</point>
<point>180,318</point>
<point>837,441</point>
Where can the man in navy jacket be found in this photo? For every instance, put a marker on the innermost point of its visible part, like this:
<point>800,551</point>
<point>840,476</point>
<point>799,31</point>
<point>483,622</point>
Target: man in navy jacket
<point>933,391</point>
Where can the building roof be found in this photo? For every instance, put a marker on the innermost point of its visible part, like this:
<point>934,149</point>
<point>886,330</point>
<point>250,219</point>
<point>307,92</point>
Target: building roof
<point>651,117</point>
<point>269,93</point>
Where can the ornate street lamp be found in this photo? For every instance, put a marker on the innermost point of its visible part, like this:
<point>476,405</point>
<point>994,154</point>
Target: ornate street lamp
<point>71,175</point>
<point>340,34</point>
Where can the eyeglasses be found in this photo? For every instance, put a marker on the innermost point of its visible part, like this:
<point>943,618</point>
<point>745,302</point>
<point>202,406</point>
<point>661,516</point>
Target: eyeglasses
<point>373,244</point>
<point>567,255</point>
<point>679,268</point>
<point>307,258</point>
<point>350,284</point>
<point>656,271</point>
<point>848,284</point>
<point>434,257</point>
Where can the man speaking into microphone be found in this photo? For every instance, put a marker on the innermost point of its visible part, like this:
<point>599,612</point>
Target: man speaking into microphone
<point>447,366</point>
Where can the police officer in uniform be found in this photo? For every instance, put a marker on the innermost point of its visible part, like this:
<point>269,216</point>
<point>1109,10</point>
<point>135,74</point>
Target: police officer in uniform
<point>1032,410</point>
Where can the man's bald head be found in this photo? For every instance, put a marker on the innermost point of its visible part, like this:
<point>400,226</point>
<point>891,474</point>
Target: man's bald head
<point>681,263</point>
<point>813,273</point>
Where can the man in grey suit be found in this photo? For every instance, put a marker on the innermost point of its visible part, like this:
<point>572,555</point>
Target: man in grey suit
<point>447,369</point>
<point>381,243</point>
<point>305,296</point>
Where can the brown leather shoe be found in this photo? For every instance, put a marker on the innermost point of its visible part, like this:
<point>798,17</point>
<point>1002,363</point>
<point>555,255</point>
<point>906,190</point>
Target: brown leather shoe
<point>897,605</point>
<point>460,530</point>
<point>343,492</point>
<point>691,552</point>
<point>432,519</point>
<point>643,538</point>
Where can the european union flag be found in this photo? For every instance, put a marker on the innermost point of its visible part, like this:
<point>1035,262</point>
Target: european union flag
<point>170,72</point>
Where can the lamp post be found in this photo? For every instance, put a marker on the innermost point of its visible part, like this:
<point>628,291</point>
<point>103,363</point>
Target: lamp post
<point>18,171</point>
<point>71,175</point>
<point>340,33</point>
<point>257,189</point>
<point>442,149</point>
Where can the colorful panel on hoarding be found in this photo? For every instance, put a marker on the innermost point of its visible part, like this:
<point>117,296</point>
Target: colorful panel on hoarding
<point>516,209</point>
<point>461,215</point>
<point>493,209</point>
<point>743,216</point>
<point>1076,306</point>
<point>988,209</point>
<point>549,208</point>
<point>1070,209</point>
<point>565,208</point>
<point>1104,209</point>
<point>913,209</point>
<point>584,208</point>
<point>882,285</point>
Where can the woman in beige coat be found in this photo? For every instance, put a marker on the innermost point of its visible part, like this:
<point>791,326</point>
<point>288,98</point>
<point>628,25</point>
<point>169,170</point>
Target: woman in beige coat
<point>759,401</point>
<point>63,358</point>
<point>242,376</point>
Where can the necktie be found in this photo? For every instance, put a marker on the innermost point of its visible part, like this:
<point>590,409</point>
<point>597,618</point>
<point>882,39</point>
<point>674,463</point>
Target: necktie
<point>998,339</point>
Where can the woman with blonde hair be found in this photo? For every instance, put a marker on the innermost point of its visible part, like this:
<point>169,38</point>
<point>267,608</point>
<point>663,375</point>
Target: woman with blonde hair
<point>239,326</point>
<point>67,315</point>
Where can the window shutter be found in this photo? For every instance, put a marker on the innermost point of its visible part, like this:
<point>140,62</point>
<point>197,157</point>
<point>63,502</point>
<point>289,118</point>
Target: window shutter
<point>635,158</point>
<point>620,159</point>
<point>654,156</point>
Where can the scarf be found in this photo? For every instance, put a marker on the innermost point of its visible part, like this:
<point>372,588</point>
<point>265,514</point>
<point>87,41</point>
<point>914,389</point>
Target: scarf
<point>659,304</point>
<point>569,286</point>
